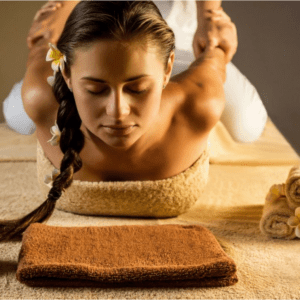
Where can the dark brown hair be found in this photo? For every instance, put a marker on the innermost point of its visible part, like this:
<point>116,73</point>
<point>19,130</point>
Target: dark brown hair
<point>124,21</point>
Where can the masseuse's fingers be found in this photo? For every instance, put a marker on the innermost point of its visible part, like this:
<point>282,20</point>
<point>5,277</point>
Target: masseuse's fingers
<point>41,14</point>
<point>211,19</point>
<point>232,42</point>
<point>48,7</point>
<point>215,29</point>
<point>38,29</point>
<point>205,36</point>
<point>217,13</point>
<point>52,3</point>
<point>225,33</point>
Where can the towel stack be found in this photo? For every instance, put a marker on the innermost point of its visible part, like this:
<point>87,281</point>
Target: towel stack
<point>124,256</point>
<point>281,213</point>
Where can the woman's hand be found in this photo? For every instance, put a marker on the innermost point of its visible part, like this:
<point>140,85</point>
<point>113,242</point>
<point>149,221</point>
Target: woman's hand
<point>215,30</point>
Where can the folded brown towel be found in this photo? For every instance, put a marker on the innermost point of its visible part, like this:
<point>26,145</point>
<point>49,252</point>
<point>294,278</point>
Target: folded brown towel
<point>123,256</point>
<point>292,187</point>
<point>276,213</point>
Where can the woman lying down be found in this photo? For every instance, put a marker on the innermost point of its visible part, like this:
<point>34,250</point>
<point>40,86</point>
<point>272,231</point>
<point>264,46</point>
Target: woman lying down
<point>119,116</point>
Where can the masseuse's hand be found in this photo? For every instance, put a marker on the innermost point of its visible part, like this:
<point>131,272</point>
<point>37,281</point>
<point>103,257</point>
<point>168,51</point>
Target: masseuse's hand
<point>215,29</point>
<point>49,21</point>
<point>40,25</point>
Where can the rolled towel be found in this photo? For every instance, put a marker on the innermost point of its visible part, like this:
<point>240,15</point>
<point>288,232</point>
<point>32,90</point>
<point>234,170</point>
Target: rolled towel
<point>276,214</point>
<point>292,187</point>
<point>123,256</point>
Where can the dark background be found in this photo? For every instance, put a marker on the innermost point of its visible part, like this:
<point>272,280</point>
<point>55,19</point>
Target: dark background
<point>268,53</point>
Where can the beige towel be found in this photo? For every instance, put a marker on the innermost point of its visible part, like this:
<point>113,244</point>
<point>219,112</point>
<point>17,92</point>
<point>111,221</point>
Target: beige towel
<point>15,146</point>
<point>162,198</point>
<point>123,256</point>
<point>276,213</point>
<point>292,187</point>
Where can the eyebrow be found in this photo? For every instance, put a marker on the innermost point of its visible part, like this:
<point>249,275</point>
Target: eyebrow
<point>103,81</point>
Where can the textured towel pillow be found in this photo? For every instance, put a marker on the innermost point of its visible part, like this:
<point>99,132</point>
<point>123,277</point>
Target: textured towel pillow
<point>123,256</point>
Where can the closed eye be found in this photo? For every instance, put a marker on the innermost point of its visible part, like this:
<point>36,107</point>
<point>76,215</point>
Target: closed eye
<point>135,92</point>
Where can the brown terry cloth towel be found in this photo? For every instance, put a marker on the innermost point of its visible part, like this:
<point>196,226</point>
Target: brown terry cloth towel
<point>123,256</point>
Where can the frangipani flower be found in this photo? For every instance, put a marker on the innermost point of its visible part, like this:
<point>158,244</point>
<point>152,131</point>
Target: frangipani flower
<point>294,221</point>
<point>58,59</point>
<point>54,141</point>
<point>51,79</point>
<point>52,177</point>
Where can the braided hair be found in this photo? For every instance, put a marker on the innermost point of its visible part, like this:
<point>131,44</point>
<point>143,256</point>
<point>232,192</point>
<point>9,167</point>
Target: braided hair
<point>90,21</point>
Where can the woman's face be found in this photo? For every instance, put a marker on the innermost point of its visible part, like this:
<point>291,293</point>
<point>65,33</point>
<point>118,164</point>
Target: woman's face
<point>114,84</point>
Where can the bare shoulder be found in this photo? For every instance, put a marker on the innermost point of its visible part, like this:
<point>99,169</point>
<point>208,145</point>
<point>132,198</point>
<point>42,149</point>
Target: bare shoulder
<point>37,96</point>
<point>201,89</point>
<point>197,123</point>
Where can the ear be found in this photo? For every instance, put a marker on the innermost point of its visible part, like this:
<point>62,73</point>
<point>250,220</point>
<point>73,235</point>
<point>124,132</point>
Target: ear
<point>169,68</point>
<point>67,79</point>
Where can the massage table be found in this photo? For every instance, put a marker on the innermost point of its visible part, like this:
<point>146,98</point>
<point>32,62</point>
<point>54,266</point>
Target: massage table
<point>240,175</point>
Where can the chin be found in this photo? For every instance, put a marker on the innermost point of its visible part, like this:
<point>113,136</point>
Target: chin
<point>119,145</point>
<point>119,142</point>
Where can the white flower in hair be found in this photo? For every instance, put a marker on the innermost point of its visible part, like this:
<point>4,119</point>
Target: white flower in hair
<point>52,177</point>
<point>54,141</point>
<point>294,221</point>
<point>57,58</point>
<point>51,79</point>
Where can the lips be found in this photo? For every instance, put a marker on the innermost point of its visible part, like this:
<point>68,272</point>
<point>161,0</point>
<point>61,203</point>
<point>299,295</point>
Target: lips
<point>119,131</point>
<point>116,128</point>
<point>119,127</point>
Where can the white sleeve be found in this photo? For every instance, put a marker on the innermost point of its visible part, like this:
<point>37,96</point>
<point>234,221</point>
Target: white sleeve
<point>14,112</point>
<point>183,21</point>
<point>244,115</point>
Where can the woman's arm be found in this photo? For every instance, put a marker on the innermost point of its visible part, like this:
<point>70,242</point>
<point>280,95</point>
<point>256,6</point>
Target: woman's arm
<point>204,79</point>
<point>203,86</point>
<point>210,65</point>
<point>37,95</point>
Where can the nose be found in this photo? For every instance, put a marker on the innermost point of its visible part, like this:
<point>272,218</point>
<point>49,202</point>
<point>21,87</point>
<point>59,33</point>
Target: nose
<point>117,107</point>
